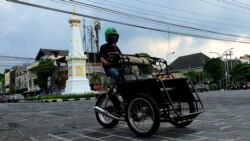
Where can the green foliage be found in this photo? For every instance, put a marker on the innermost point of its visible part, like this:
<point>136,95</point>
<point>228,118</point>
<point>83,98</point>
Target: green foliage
<point>241,72</point>
<point>191,75</point>
<point>67,96</point>
<point>43,71</point>
<point>1,77</point>
<point>1,81</point>
<point>6,70</point>
<point>215,68</point>
<point>95,78</point>
<point>214,86</point>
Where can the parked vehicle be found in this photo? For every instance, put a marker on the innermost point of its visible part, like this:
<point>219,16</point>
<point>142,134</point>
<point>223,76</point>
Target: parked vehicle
<point>10,98</point>
<point>201,88</point>
<point>246,85</point>
<point>144,102</point>
<point>18,97</point>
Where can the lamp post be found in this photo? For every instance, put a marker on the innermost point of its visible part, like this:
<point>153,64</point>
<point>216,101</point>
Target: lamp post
<point>169,55</point>
<point>226,62</point>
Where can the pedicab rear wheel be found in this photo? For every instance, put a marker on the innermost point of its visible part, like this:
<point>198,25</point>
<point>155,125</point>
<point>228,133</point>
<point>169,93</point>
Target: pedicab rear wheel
<point>143,115</point>
<point>182,108</point>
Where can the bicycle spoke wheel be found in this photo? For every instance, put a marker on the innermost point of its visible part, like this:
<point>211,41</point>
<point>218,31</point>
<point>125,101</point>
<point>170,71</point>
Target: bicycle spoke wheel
<point>110,105</point>
<point>143,115</point>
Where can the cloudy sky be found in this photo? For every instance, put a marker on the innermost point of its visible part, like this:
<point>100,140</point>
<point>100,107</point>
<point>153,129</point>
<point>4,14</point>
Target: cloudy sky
<point>24,29</point>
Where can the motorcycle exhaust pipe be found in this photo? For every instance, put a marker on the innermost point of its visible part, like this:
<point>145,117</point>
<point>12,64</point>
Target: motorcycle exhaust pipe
<point>105,113</point>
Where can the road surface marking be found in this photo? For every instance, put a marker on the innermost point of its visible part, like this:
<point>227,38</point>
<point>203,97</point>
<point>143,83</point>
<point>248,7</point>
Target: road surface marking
<point>219,123</point>
<point>58,137</point>
<point>225,127</point>
<point>240,119</point>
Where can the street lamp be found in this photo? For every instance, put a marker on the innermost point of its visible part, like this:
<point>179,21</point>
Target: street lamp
<point>226,62</point>
<point>169,55</point>
<point>216,53</point>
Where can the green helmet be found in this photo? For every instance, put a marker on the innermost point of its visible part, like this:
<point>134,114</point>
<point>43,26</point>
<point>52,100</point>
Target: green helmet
<point>111,31</point>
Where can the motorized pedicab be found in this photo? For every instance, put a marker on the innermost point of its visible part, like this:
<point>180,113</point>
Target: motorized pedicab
<point>145,100</point>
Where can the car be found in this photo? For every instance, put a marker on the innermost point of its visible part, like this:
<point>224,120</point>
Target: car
<point>201,88</point>
<point>246,85</point>
<point>18,97</point>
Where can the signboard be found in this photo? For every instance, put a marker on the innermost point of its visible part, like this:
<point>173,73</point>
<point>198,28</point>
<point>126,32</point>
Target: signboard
<point>91,69</point>
<point>79,70</point>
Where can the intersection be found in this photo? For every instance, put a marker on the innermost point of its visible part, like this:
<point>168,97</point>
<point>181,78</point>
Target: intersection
<point>226,118</point>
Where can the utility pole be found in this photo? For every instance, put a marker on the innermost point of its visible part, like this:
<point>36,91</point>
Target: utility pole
<point>231,61</point>
<point>84,36</point>
<point>97,26</point>
<point>226,62</point>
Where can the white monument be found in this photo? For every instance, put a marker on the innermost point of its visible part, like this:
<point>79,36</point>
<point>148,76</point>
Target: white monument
<point>77,82</point>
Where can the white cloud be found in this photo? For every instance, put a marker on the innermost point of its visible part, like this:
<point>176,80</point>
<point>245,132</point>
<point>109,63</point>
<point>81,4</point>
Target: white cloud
<point>220,47</point>
<point>5,6</point>
<point>158,47</point>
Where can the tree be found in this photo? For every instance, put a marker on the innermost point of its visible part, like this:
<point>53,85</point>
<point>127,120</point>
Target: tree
<point>43,71</point>
<point>191,75</point>
<point>215,68</point>
<point>1,77</point>
<point>1,81</point>
<point>241,72</point>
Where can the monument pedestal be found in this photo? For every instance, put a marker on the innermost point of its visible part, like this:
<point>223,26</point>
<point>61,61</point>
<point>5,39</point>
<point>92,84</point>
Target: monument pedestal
<point>77,82</point>
<point>77,86</point>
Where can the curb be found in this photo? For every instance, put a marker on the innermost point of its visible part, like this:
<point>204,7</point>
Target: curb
<point>56,100</point>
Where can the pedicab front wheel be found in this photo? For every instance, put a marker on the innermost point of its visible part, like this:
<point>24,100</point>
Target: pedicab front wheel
<point>143,115</point>
<point>109,104</point>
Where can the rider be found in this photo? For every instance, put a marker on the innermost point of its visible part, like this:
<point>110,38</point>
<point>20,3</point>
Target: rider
<point>111,36</point>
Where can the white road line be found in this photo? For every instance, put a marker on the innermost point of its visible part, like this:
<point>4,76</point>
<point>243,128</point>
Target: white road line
<point>219,123</point>
<point>237,116</point>
<point>21,120</point>
<point>240,119</point>
<point>225,127</point>
<point>57,137</point>
<point>203,138</point>
<point>245,122</point>
<point>199,132</point>
<point>84,136</point>
<point>33,139</point>
<point>131,138</point>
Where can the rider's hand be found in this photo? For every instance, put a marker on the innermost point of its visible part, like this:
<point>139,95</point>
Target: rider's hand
<point>108,63</point>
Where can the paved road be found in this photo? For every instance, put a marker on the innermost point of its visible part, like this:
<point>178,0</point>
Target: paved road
<point>226,118</point>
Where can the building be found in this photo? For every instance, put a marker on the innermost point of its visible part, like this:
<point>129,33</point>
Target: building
<point>245,59</point>
<point>192,62</point>
<point>1,87</point>
<point>58,79</point>
<point>12,80</point>
<point>33,88</point>
<point>93,63</point>
<point>7,82</point>
<point>21,79</point>
<point>189,62</point>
